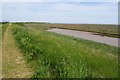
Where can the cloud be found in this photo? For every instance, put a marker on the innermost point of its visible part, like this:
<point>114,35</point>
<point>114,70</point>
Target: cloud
<point>63,12</point>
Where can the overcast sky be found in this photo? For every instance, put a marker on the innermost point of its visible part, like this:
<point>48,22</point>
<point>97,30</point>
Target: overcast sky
<point>61,12</point>
<point>59,0</point>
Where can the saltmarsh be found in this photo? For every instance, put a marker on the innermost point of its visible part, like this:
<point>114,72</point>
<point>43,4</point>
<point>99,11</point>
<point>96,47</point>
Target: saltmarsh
<point>58,56</point>
<point>99,29</point>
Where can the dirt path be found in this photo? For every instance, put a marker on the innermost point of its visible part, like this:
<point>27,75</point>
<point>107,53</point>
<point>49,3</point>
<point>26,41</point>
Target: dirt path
<point>88,36</point>
<point>0,51</point>
<point>14,65</point>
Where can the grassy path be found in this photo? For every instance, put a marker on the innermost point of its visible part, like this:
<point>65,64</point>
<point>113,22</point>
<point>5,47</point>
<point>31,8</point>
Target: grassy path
<point>14,65</point>
<point>0,51</point>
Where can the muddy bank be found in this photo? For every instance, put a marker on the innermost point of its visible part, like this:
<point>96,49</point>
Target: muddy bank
<point>88,36</point>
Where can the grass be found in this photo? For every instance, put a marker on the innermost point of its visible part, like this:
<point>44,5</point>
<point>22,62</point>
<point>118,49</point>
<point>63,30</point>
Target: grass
<point>99,29</point>
<point>58,56</point>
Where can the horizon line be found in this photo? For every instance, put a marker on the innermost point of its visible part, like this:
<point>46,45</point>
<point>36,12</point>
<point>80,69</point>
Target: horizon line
<point>57,22</point>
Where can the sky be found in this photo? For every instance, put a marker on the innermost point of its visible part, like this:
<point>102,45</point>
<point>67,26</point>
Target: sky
<point>60,0</point>
<point>61,12</point>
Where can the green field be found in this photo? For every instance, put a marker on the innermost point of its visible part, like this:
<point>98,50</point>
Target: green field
<point>100,29</point>
<point>58,56</point>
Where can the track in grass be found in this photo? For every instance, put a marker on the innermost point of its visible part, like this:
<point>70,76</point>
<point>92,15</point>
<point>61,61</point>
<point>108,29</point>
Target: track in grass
<point>14,65</point>
<point>0,50</point>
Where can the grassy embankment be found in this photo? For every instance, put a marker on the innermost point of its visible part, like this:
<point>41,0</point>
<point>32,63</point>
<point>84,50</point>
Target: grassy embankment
<point>99,29</point>
<point>57,56</point>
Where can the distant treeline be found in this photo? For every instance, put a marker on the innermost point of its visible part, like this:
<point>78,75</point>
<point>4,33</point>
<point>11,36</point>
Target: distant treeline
<point>4,22</point>
<point>33,22</point>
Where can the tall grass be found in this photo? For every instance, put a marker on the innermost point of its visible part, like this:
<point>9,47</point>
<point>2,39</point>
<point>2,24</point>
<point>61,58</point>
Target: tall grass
<point>57,56</point>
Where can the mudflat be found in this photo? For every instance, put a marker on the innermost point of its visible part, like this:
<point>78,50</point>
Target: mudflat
<point>88,36</point>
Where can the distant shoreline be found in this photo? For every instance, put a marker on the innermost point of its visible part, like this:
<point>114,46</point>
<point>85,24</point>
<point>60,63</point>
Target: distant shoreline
<point>59,23</point>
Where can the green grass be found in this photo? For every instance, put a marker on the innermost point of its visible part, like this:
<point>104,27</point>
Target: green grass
<point>99,29</point>
<point>57,56</point>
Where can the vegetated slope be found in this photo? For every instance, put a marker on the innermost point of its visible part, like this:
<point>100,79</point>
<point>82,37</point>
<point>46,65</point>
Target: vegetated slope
<point>13,63</point>
<point>57,56</point>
